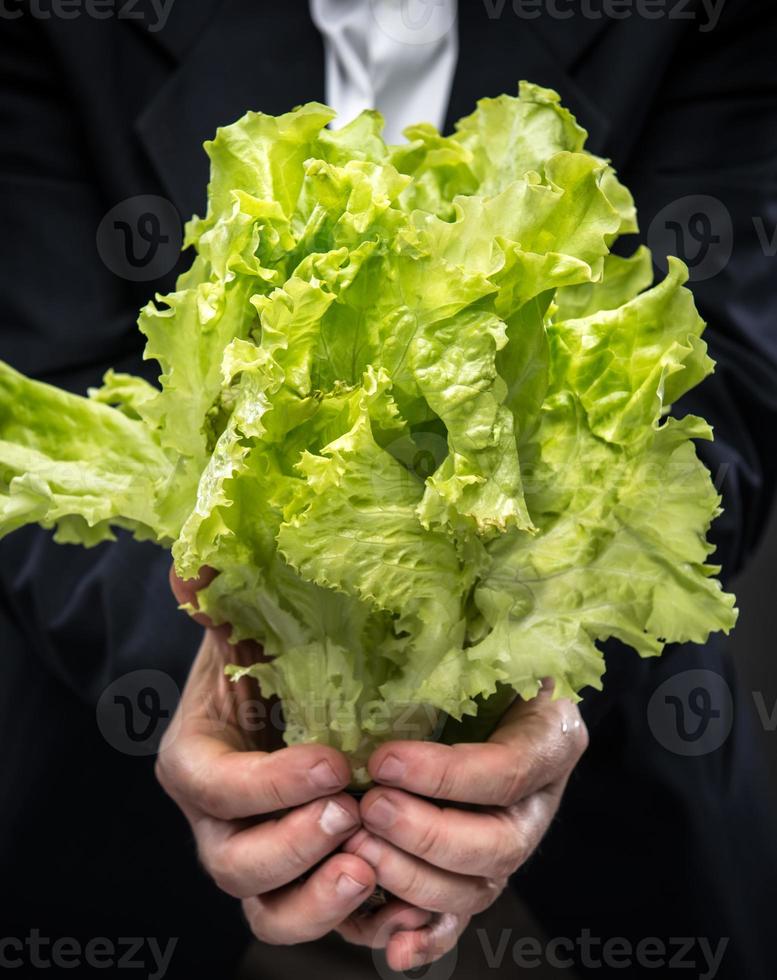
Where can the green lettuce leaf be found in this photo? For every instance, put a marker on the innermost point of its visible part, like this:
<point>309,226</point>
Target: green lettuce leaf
<point>415,413</point>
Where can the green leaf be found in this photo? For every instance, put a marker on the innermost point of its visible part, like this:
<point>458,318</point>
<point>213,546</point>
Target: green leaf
<point>414,412</point>
<point>76,465</point>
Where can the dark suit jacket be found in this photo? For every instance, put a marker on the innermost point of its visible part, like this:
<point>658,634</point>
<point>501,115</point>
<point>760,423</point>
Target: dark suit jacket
<point>92,112</point>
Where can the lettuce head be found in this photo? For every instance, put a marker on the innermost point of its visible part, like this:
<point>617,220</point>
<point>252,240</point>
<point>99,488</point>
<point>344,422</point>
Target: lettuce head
<point>414,412</point>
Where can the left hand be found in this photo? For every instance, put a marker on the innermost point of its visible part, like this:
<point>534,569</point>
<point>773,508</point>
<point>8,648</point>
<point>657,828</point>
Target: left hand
<point>449,863</point>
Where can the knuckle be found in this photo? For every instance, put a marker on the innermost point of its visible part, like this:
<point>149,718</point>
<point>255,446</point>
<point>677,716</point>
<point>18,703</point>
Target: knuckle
<point>273,790</point>
<point>221,864</point>
<point>262,924</point>
<point>424,891</point>
<point>318,924</point>
<point>443,779</point>
<point>161,773</point>
<point>568,722</point>
<point>511,785</point>
<point>487,891</point>
<point>353,931</point>
<point>429,840</point>
<point>515,851</point>
<point>295,852</point>
<point>508,863</point>
<point>441,782</point>
<point>520,852</point>
<point>580,736</point>
<point>415,887</point>
<point>207,793</point>
<point>273,935</point>
<point>172,772</point>
<point>198,785</point>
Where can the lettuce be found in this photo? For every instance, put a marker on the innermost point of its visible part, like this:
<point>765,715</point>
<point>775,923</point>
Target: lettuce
<point>414,412</point>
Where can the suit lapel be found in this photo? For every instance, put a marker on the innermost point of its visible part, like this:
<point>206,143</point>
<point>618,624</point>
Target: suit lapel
<point>247,56</point>
<point>182,24</point>
<point>497,48</point>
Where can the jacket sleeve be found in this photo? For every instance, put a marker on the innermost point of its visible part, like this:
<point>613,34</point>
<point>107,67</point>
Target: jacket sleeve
<point>90,615</point>
<point>705,182</point>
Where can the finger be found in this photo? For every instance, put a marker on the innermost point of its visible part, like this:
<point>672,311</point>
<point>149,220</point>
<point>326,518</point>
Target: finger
<point>233,713</point>
<point>537,743</point>
<point>375,927</point>
<point>409,950</point>
<point>420,884</point>
<point>487,843</point>
<point>185,590</point>
<point>268,855</point>
<point>405,933</point>
<point>212,777</point>
<point>303,912</point>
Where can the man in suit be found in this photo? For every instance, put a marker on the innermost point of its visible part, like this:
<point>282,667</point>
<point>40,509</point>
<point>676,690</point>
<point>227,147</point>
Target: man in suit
<point>649,843</point>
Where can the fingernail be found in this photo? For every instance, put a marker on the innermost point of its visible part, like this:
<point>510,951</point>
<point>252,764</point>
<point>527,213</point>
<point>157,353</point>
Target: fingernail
<point>335,819</point>
<point>370,851</point>
<point>324,776</point>
<point>382,813</point>
<point>392,769</point>
<point>348,887</point>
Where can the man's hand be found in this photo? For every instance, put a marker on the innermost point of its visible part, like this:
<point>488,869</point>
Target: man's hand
<point>263,815</point>
<point>261,819</point>
<point>454,861</point>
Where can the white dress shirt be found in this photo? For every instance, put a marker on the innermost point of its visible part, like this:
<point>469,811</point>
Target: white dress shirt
<point>397,56</point>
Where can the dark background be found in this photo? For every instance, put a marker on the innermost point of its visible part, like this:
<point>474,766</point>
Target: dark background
<point>753,640</point>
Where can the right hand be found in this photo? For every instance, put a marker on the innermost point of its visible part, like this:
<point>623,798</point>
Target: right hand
<point>260,818</point>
